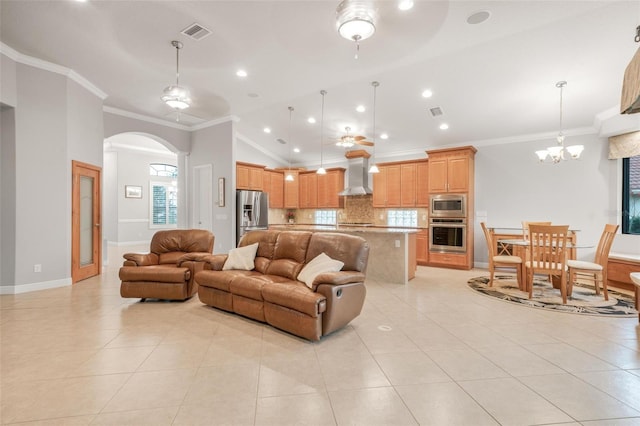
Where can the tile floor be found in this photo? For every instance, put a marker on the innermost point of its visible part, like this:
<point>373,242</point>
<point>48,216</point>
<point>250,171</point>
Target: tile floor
<point>432,353</point>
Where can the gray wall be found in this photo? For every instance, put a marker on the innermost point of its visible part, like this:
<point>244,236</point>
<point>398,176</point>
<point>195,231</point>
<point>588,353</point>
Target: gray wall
<point>215,145</point>
<point>56,121</point>
<point>7,195</point>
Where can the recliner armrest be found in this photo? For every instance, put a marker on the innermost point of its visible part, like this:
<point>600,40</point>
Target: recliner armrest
<point>338,278</point>
<point>141,259</point>
<point>193,257</point>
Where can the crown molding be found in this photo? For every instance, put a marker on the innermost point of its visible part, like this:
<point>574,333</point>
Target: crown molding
<point>148,119</point>
<point>215,122</point>
<point>532,137</point>
<point>51,67</point>
<point>259,147</point>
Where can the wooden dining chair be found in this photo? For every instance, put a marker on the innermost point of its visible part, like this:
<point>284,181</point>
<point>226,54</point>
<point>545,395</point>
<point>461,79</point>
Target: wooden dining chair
<point>595,271</point>
<point>500,261</point>
<point>548,255</point>
<point>525,228</point>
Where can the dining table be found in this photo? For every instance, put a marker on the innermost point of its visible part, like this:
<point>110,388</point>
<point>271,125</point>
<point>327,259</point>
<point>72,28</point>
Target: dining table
<point>511,243</point>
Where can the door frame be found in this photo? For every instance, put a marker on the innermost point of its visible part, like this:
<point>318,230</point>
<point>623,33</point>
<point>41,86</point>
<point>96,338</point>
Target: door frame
<point>79,272</point>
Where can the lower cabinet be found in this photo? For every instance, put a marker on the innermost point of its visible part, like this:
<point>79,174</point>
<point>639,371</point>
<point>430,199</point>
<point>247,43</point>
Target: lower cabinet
<point>422,247</point>
<point>451,260</point>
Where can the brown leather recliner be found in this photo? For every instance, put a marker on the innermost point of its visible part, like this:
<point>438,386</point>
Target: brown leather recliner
<point>168,270</point>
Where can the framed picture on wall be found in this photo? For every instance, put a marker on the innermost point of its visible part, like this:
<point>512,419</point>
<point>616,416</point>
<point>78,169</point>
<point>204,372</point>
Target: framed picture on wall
<point>132,191</point>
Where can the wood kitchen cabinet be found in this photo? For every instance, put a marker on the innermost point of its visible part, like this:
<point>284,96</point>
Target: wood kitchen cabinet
<point>329,185</point>
<point>274,185</point>
<point>422,247</point>
<point>451,170</point>
<point>249,176</point>
<point>292,191</point>
<point>308,190</point>
<point>387,187</point>
<point>401,184</point>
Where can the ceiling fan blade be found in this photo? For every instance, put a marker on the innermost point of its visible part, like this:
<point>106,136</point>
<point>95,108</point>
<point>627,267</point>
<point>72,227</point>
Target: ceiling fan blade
<point>365,143</point>
<point>358,137</point>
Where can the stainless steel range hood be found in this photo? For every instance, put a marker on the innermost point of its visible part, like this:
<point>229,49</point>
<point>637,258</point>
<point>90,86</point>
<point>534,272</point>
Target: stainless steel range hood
<point>357,173</point>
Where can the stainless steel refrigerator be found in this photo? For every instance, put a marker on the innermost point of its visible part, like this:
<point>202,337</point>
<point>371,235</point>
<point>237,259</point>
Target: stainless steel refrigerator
<point>252,209</point>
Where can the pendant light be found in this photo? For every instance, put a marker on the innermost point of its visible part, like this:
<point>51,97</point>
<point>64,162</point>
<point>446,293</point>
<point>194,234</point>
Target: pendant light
<point>374,167</point>
<point>556,153</point>
<point>289,177</point>
<point>321,170</point>
<point>177,97</point>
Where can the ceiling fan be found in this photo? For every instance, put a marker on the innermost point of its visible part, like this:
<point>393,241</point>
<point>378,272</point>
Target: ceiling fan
<point>348,140</point>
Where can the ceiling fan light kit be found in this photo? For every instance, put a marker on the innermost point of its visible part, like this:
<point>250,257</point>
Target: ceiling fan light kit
<point>176,96</point>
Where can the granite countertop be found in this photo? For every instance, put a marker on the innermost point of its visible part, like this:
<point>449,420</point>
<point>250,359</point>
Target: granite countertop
<point>345,228</point>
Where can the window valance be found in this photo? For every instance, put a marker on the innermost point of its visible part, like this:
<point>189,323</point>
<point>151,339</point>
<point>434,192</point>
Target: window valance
<point>625,145</point>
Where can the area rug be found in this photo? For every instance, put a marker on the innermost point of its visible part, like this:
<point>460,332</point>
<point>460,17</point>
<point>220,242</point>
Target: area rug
<point>582,301</point>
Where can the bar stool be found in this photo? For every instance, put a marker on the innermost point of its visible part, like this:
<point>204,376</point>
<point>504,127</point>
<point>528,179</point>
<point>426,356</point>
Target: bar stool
<point>635,278</point>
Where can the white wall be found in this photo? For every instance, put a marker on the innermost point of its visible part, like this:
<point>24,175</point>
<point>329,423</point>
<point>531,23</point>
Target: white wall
<point>215,145</point>
<point>511,186</point>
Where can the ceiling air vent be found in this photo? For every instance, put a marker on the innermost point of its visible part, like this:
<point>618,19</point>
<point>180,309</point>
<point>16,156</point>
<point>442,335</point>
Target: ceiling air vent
<point>436,111</point>
<point>196,31</point>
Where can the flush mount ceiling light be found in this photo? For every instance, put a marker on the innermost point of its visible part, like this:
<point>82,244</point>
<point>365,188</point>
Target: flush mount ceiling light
<point>557,153</point>
<point>356,21</point>
<point>177,97</point>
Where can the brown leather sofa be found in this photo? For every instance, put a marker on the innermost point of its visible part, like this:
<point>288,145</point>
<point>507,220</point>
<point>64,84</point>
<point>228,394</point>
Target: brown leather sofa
<point>167,271</point>
<point>271,293</point>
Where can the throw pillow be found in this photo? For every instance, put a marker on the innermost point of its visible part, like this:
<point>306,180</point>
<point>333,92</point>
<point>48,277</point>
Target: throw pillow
<point>318,265</point>
<point>241,258</point>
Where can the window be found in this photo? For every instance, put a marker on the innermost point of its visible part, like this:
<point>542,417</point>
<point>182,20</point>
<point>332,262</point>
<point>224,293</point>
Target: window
<point>164,205</point>
<point>163,170</point>
<point>325,217</point>
<point>406,218</point>
<point>631,195</point>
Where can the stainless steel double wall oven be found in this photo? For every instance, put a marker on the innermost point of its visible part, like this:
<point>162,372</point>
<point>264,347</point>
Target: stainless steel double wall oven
<point>448,223</point>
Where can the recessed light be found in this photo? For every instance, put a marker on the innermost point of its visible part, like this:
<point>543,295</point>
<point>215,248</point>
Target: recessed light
<point>241,73</point>
<point>405,4</point>
<point>361,108</point>
<point>444,126</point>
<point>384,136</point>
<point>478,17</point>
<point>427,93</point>
<point>296,150</point>
<point>267,130</point>
<point>311,120</point>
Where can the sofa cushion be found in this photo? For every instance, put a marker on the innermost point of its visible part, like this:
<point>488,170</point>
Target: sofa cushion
<point>241,258</point>
<point>350,249</point>
<point>182,240</point>
<point>295,295</point>
<point>318,265</point>
<point>221,280</point>
<point>289,254</point>
<point>170,258</point>
<point>266,248</point>
<point>249,286</point>
<point>155,273</point>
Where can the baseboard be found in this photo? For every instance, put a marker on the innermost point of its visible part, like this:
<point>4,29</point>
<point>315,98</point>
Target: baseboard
<point>27,288</point>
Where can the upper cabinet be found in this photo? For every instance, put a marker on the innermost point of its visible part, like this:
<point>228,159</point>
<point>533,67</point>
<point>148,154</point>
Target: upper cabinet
<point>308,190</point>
<point>451,170</point>
<point>292,191</point>
<point>329,185</point>
<point>274,185</point>
<point>249,176</point>
<point>401,184</point>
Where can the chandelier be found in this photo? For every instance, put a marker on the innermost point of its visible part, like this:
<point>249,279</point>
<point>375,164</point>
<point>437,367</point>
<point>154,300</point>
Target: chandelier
<point>356,21</point>
<point>557,153</point>
<point>177,97</point>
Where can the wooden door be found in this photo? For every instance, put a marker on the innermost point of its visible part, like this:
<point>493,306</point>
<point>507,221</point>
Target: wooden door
<point>86,213</point>
<point>408,185</point>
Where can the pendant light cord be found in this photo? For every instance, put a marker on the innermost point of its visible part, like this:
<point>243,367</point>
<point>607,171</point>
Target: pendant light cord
<point>322,92</point>
<point>290,144</point>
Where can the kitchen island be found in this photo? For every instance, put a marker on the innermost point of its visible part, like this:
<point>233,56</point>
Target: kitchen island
<point>392,252</point>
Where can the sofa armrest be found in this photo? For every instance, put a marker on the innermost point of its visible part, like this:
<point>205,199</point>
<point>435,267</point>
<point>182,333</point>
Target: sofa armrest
<point>338,278</point>
<point>215,262</point>
<point>193,257</point>
<point>140,259</point>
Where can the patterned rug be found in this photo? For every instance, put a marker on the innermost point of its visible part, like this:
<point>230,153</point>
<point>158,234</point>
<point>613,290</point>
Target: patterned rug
<point>582,301</point>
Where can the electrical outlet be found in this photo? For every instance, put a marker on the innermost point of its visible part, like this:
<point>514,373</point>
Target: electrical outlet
<point>37,268</point>
<point>397,243</point>
<point>381,216</point>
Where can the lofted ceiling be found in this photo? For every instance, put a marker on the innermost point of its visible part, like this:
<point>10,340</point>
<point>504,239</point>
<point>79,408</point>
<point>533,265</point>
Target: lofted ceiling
<point>493,81</point>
